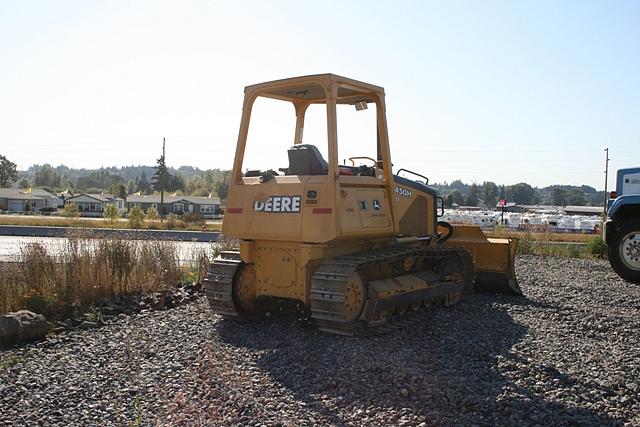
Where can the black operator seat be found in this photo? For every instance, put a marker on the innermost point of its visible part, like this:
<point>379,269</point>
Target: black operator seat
<point>305,159</point>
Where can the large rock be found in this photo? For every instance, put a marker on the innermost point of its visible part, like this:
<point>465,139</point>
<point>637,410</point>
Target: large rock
<point>10,330</point>
<point>22,326</point>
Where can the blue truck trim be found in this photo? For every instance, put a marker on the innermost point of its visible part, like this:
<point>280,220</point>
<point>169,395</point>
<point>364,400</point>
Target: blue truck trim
<point>631,199</point>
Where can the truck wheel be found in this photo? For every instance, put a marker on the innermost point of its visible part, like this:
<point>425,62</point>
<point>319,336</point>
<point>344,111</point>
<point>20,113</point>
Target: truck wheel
<point>624,250</point>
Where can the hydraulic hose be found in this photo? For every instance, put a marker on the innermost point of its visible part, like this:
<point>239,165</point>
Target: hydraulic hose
<point>443,238</point>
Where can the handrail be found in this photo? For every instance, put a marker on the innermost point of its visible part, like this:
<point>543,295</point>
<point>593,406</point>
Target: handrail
<point>414,173</point>
<point>375,163</point>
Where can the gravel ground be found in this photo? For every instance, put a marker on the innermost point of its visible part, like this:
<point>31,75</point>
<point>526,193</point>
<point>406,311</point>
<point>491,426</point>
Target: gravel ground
<point>567,354</point>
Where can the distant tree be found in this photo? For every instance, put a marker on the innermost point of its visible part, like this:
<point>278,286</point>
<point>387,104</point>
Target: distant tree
<point>558,197</point>
<point>111,213</point>
<point>27,206</point>
<point>576,197</point>
<point>201,191</point>
<point>459,185</point>
<point>472,197</point>
<point>175,183</point>
<point>136,217</point>
<point>24,183</point>
<point>131,187</point>
<point>8,173</point>
<point>142,184</point>
<point>192,185</point>
<point>490,193</point>
<point>161,179</point>
<point>221,186</point>
<point>122,191</point>
<point>47,176</point>
<point>456,197</point>
<point>448,202</point>
<point>521,193</point>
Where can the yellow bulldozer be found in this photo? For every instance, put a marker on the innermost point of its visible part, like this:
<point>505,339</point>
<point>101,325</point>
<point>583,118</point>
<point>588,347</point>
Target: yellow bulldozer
<point>355,245</point>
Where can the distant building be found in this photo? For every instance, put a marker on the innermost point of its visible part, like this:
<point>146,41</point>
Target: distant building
<point>510,207</point>
<point>93,205</point>
<point>17,199</point>
<point>50,200</point>
<point>469,208</point>
<point>584,210</point>
<point>542,209</point>
<point>208,207</point>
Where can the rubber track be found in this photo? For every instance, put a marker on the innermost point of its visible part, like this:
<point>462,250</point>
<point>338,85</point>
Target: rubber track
<point>219,283</point>
<point>330,279</point>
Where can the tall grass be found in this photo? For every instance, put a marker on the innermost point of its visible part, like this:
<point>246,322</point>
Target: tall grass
<point>528,245</point>
<point>87,270</point>
<point>542,236</point>
<point>548,243</point>
<point>60,221</point>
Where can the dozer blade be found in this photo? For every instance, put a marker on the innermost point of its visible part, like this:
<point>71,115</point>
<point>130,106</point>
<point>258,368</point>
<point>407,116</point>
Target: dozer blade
<point>493,259</point>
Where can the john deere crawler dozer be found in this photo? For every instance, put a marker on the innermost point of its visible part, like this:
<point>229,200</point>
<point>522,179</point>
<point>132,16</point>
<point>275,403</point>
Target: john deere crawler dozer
<point>355,245</point>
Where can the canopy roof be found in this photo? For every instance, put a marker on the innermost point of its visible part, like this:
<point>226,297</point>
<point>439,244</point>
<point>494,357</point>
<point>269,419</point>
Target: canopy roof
<point>311,89</point>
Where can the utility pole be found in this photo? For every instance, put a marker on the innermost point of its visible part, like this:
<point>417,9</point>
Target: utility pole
<point>606,175</point>
<point>163,179</point>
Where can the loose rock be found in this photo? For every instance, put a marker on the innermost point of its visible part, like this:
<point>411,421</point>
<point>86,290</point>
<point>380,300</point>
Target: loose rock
<point>568,353</point>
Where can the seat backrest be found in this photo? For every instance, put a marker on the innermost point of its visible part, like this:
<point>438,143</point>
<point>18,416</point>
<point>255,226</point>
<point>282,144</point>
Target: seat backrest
<point>305,159</point>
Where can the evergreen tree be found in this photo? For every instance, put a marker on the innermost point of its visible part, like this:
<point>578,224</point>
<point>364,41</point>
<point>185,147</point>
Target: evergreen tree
<point>47,177</point>
<point>8,173</point>
<point>160,181</point>
<point>490,192</point>
<point>522,194</point>
<point>472,197</point>
<point>142,184</point>
<point>558,197</point>
<point>449,201</point>
<point>503,193</point>
<point>456,197</point>
<point>161,177</point>
<point>222,185</point>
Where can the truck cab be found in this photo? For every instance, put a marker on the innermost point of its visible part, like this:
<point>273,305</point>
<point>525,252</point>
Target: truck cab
<point>622,228</point>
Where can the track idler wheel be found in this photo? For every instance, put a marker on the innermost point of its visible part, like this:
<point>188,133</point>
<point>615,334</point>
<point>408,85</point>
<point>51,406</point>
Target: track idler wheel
<point>415,306</point>
<point>354,297</point>
<point>402,309</point>
<point>451,299</point>
<point>244,289</point>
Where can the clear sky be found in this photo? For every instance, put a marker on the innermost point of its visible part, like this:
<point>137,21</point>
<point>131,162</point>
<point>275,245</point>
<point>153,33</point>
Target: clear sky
<point>478,90</point>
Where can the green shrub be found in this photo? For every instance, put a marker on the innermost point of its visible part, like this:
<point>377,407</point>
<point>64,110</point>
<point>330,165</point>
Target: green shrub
<point>173,222</point>
<point>575,251</point>
<point>71,210</point>
<point>42,304</point>
<point>111,213</point>
<point>152,214</point>
<point>193,218</point>
<point>136,217</point>
<point>525,245</point>
<point>597,247</point>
